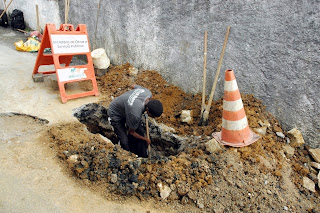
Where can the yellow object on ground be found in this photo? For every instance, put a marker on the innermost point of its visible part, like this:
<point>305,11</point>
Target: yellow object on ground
<point>32,45</point>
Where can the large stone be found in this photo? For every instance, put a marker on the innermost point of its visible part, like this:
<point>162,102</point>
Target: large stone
<point>319,180</point>
<point>315,153</point>
<point>213,146</point>
<point>164,190</point>
<point>309,184</point>
<point>315,165</point>
<point>296,138</point>
<point>289,150</point>
<point>261,130</point>
<point>133,71</point>
<point>186,116</point>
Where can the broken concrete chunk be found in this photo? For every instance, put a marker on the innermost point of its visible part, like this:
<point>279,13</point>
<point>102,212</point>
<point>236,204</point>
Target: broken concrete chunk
<point>186,116</point>
<point>289,150</point>
<point>262,130</point>
<point>264,123</point>
<point>164,190</point>
<point>213,146</point>
<point>113,178</point>
<point>309,184</point>
<point>280,135</point>
<point>133,71</point>
<point>38,77</point>
<point>315,153</point>
<point>165,128</point>
<point>73,159</point>
<point>315,165</point>
<point>296,139</point>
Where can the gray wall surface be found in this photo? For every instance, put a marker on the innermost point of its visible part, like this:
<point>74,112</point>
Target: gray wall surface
<point>273,47</point>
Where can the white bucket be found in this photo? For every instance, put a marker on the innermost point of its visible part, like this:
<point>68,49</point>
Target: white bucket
<point>100,59</point>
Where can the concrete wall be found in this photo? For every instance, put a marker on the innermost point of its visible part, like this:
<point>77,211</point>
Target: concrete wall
<point>273,47</point>
<point>48,11</point>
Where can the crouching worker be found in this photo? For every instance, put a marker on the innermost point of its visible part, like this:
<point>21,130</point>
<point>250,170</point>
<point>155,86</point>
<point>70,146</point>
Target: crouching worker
<point>126,112</point>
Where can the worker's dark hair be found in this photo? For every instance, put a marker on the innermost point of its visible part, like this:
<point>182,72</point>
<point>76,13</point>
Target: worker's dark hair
<point>155,108</point>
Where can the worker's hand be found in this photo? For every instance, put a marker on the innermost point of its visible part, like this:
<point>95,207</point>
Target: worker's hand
<point>148,141</point>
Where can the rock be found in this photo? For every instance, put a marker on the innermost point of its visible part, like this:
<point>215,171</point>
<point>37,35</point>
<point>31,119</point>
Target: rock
<point>165,128</point>
<point>280,135</point>
<point>133,71</point>
<point>186,116</point>
<point>113,178</point>
<point>73,159</point>
<point>218,208</point>
<point>315,165</point>
<point>192,195</point>
<point>309,184</point>
<point>262,130</point>
<point>213,146</point>
<point>183,189</point>
<point>264,123</point>
<point>319,180</point>
<point>265,162</point>
<point>296,139</point>
<point>164,190</point>
<point>200,204</point>
<point>184,200</point>
<point>315,153</point>
<point>289,150</point>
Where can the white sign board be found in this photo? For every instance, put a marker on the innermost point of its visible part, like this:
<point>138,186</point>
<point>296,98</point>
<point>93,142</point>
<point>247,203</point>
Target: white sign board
<point>69,44</point>
<point>72,73</point>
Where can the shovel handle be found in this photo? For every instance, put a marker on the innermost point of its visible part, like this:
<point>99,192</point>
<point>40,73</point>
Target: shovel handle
<point>218,70</point>
<point>148,134</point>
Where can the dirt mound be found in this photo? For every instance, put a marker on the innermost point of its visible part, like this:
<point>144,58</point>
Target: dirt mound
<point>259,177</point>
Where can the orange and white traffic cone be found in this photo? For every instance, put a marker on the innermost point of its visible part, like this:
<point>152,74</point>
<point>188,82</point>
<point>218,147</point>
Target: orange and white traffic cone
<point>235,129</point>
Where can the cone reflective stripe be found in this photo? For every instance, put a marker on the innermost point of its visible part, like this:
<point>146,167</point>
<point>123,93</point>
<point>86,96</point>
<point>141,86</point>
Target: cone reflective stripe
<point>235,129</point>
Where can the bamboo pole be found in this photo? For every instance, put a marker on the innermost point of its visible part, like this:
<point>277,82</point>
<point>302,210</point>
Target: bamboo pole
<point>5,9</point>
<point>95,32</point>
<point>204,74</point>
<point>66,10</point>
<point>206,112</point>
<point>38,22</point>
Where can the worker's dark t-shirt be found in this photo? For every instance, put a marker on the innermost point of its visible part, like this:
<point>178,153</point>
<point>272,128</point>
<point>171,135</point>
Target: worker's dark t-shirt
<point>129,106</point>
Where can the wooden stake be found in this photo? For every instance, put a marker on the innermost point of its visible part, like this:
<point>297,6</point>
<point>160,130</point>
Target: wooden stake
<point>38,22</point>
<point>204,74</point>
<point>5,9</point>
<point>66,10</point>
<point>206,112</point>
<point>95,32</point>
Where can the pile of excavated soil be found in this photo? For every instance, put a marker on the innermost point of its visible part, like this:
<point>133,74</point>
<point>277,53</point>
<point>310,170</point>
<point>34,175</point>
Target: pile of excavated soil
<point>258,178</point>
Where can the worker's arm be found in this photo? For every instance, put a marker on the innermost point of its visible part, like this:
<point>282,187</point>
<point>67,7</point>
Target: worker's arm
<point>136,135</point>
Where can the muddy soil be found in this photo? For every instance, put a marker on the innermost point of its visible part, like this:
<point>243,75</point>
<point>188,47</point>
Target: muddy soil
<point>257,178</point>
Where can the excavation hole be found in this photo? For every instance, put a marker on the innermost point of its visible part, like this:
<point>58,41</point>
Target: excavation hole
<point>94,116</point>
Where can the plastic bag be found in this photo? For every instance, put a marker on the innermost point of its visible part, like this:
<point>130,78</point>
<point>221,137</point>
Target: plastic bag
<point>32,45</point>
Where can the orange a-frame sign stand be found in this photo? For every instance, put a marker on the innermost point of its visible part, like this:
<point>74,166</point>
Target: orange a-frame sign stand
<point>65,43</point>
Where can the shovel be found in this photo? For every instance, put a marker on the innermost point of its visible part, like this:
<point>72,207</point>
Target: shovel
<point>148,134</point>
<point>205,115</point>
